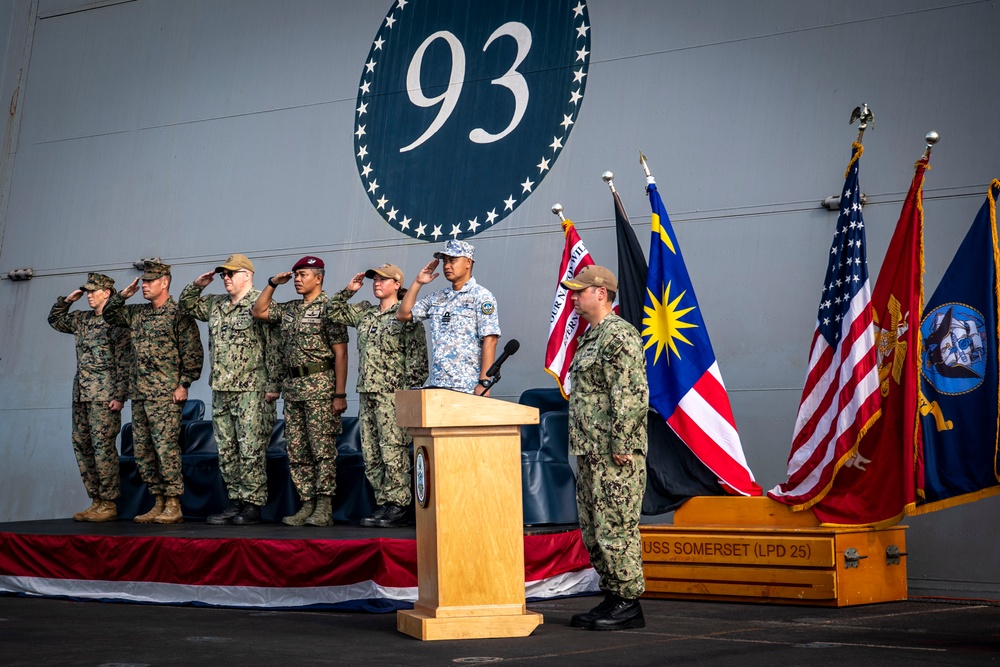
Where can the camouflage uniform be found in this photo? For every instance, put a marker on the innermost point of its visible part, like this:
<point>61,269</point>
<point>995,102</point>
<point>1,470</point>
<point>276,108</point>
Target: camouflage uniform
<point>101,375</point>
<point>245,365</point>
<point>168,351</point>
<point>458,322</point>
<point>392,355</point>
<point>607,415</point>
<point>311,426</point>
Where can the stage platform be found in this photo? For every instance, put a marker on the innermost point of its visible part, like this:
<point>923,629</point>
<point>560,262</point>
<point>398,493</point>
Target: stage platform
<point>265,566</point>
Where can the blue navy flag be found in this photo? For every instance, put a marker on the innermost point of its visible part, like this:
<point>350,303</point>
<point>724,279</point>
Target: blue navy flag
<point>959,370</point>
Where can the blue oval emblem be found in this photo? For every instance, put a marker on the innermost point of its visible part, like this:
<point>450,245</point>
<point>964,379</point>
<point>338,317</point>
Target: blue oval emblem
<point>955,348</point>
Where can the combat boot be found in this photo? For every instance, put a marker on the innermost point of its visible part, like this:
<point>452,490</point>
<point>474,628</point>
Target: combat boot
<point>300,517</point>
<point>583,620</point>
<point>153,513</point>
<point>79,516</point>
<point>623,615</point>
<point>106,511</point>
<point>225,517</point>
<point>171,511</point>
<point>323,514</point>
<point>248,516</point>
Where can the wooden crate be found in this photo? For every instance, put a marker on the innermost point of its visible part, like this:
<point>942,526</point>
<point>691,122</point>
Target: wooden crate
<point>757,550</point>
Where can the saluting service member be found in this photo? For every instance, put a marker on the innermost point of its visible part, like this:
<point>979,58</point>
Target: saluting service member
<point>99,392</point>
<point>392,355</point>
<point>168,358</point>
<point>462,319</point>
<point>315,377</point>
<point>607,433</point>
<point>245,381</point>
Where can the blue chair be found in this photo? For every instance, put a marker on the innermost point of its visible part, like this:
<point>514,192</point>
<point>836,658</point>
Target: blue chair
<point>548,485</point>
<point>355,498</point>
<point>193,410</point>
<point>546,400</point>
<point>204,491</point>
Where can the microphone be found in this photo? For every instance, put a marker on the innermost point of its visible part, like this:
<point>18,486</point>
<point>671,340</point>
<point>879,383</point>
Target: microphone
<point>509,350</point>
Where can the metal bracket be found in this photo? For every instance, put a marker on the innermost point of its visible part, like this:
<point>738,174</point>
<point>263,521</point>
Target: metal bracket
<point>851,558</point>
<point>893,554</point>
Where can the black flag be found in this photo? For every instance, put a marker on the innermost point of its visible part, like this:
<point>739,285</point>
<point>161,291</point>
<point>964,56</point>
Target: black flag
<point>631,268</point>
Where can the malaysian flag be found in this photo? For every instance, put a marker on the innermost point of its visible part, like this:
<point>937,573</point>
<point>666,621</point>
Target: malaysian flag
<point>841,398</point>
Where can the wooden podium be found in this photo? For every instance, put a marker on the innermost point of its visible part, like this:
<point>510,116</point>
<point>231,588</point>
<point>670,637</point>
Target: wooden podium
<point>470,532</point>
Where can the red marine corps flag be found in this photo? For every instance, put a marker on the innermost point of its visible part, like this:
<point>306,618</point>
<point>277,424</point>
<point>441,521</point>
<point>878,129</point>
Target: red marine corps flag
<point>565,326</point>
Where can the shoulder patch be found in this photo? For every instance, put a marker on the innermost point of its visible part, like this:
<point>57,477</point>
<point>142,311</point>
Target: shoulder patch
<point>488,308</point>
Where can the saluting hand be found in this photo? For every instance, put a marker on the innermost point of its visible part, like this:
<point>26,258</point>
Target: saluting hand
<point>132,288</point>
<point>357,282</point>
<point>74,295</point>
<point>204,279</point>
<point>282,277</point>
<point>427,274</point>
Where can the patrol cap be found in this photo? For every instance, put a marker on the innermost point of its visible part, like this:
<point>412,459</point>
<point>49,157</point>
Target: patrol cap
<point>386,271</point>
<point>154,270</point>
<point>96,281</point>
<point>309,262</point>
<point>592,276</point>
<point>455,248</point>
<point>235,263</point>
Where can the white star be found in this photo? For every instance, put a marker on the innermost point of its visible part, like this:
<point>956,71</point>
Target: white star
<point>856,278</point>
<point>847,193</point>
<point>578,10</point>
<point>526,186</point>
<point>382,201</point>
<point>362,152</point>
<point>826,320</point>
<point>402,3</point>
<point>581,30</point>
<point>378,44</point>
<point>578,75</point>
<point>556,144</point>
<point>833,250</point>
<point>370,65</point>
<point>857,261</point>
<point>566,121</point>
<point>508,203</point>
<point>474,224</point>
<point>361,132</point>
<point>861,225</point>
<point>389,21</point>
<point>543,165</point>
<point>363,108</point>
<point>437,232</point>
<point>366,87</point>
<point>575,96</point>
<point>373,186</point>
<point>837,318</point>
<point>420,229</point>
<point>367,169</point>
<point>491,216</point>
<point>456,229</point>
<point>838,284</point>
<point>392,213</point>
<point>826,304</point>
<point>582,54</point>
<point>405,223</point>
<point>837,301</point>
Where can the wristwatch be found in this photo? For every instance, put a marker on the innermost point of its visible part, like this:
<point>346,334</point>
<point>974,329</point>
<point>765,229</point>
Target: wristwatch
<point>186,385</point>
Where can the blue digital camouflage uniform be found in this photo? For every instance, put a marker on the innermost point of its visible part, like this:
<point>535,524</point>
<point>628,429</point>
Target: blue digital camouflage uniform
<point>607,415</point>
<point>392,355</point>
<point>168,351</point>
<point>101,376</point>
<point>311,425</point>
<point>458,322</point>
<point>246,363</point>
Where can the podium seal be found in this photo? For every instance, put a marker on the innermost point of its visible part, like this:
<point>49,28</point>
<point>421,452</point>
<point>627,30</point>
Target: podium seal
<point>421,476</point>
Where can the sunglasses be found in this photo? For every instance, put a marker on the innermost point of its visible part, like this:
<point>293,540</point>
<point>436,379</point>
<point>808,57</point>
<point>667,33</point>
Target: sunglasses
<point>226,273</point>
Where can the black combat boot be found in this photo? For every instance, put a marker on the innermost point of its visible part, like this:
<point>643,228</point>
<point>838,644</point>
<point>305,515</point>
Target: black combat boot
<point>248,516</point>
<point>623,615</point>
<point>225,517</point>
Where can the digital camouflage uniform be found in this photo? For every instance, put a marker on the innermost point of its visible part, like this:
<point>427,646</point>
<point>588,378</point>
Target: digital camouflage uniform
<point>607,415</point>
<point>392,355</point>
<point>311,425</point>
<point>245,364</point>
<point>168,351</point>
<point>101,376</point>
<point>457,322</point>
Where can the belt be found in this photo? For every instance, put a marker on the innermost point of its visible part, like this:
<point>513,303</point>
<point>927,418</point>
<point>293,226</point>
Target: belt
<point>309,369</point>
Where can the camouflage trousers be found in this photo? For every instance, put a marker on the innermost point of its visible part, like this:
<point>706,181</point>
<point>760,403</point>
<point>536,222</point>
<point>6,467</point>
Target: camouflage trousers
<point>242,422</point>
<point>311,429</point>
<point>95,428</point>
<point>385,447</point>
<point>156,429</point>
<point>609,501</point>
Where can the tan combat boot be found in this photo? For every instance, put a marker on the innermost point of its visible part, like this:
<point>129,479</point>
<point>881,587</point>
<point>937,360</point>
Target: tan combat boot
<point>153,513</point>
<point>300,517</point>
<point>171,511</point>
<point>106,511</point>
<point>80,516</point>
<point>323,514</point>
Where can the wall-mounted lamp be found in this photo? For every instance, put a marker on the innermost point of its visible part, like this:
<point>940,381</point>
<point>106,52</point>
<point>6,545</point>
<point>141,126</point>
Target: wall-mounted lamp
<point>833,202</point>
<point>21,274</point>
<point>140,264</point>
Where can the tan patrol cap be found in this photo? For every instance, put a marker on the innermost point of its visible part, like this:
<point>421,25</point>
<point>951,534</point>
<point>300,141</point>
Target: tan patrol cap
<point>235,263</point>
<point>96,281</point>
<point>386,271</point>
<point>154,270</point>
<point>592,276</point>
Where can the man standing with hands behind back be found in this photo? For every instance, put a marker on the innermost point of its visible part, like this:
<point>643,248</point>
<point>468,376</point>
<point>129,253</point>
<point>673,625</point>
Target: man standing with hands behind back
<point>463,320</point>
<point>607,433</point>
<point>168,358</point>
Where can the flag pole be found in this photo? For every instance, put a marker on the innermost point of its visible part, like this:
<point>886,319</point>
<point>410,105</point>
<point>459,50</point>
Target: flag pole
<point>557,209</point>
<point>865,115</point>
<point>931,138</point>
<point>609,178</point>
<point>645,167</point>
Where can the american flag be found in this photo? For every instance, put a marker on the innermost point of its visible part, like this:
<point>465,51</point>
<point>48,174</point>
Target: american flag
<point>841,398</point>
